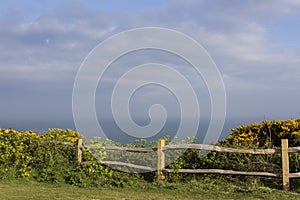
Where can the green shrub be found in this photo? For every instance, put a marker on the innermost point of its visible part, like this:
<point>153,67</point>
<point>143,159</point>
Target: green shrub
<point>266,134</point>
<point>43,157</point>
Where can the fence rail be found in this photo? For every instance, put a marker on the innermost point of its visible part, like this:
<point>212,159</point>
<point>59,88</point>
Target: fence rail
<point>220,149</point>
<point>129,149</point>
<point>221,171</point>
<point>284,150</point>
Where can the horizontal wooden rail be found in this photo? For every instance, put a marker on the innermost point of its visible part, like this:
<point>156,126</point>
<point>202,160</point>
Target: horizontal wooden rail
<point>65,143</point>
<point>221,149</point>
<point>294,175</point>
<point>294,150</point>
<point>130,149</point>
<point>141,167</point>
<point>206,147</point>
<point>221,171</point>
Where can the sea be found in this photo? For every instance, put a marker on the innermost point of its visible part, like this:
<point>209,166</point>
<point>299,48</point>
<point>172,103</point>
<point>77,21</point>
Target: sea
<point>113,132</point>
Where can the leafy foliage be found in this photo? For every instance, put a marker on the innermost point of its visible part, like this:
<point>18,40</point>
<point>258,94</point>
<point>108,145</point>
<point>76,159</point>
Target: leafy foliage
<point>43,157</point>
<point>266,134</point>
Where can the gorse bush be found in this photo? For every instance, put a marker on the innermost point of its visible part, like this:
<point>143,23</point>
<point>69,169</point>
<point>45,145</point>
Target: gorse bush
<point>43,157</point>
<point>266,134</point>
<point>15,152</point>
<point>25,154</point>
<point>56,134</point>
<point>40,157</point>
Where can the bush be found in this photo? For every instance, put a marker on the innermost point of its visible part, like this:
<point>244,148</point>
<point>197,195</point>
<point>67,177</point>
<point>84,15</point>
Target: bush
<point>37,155</point>
<point>266,134</point>
<point>41,157</point>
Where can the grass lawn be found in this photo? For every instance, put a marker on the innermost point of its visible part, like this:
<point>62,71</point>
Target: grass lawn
<point>20,189</point>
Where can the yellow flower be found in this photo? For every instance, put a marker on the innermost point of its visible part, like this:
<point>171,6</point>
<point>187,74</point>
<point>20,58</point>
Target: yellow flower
<point>6,131</point>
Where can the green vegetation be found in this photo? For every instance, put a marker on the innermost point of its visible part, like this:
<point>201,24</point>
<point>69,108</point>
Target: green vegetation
<point>266,134</point>
<point>29,160</point>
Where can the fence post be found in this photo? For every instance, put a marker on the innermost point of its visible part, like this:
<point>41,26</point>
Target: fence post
<point>160,159</point>
<point>285,164</point>
<point>79,151</point>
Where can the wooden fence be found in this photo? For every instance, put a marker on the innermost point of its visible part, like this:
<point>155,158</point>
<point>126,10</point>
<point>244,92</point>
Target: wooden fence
<point>285,175</point>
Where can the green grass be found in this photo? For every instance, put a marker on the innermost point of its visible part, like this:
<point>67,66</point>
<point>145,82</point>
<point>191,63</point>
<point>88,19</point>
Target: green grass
<point>21,189</point>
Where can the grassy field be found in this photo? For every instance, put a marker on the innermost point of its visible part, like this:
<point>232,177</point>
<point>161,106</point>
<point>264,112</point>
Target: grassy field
<point>12,190</point>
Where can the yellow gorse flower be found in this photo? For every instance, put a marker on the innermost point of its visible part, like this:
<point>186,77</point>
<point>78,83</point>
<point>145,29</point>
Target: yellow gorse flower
<point>266,134</point>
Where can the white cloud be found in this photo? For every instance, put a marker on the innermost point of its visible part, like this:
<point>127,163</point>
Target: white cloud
<point>235,33</point>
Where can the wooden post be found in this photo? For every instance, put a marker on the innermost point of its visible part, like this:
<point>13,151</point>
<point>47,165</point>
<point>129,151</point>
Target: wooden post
<point>79,151</point>
<point>160,159</point>
<point>285,164</point>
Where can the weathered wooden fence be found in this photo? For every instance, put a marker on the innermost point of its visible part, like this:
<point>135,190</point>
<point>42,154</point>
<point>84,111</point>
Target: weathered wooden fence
<point>285,175</point>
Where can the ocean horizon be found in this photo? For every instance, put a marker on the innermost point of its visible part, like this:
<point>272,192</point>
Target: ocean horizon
<point>113,132</point>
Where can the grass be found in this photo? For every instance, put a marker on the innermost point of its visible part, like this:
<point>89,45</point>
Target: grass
<point>30,190</point>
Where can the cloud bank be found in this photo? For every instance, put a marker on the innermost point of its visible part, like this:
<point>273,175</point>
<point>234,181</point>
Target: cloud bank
<point>255,44</point>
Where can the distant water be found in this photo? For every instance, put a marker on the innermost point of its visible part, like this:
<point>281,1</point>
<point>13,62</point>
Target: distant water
<point>114,133</point>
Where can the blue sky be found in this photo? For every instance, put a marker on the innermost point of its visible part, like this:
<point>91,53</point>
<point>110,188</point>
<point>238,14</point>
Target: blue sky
<point>255,44</point>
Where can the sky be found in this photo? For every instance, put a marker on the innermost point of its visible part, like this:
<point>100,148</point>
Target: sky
<point>255,45</point>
